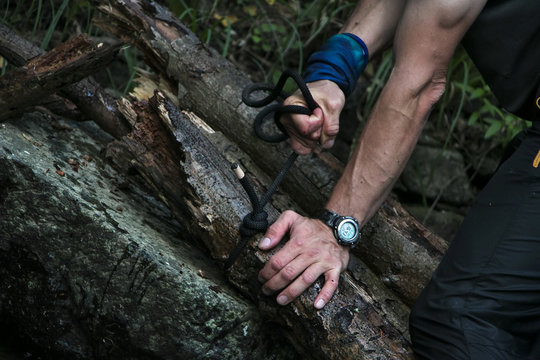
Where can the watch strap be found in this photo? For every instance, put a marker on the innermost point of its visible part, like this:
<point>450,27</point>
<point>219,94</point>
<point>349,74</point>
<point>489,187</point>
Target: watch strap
<point>328,217</point>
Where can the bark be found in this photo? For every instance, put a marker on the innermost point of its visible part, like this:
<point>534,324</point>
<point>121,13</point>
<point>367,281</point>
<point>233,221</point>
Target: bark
<point>94,267</point>
<point>189,171</point>
<point>399,249</point>
<point>86,94</point>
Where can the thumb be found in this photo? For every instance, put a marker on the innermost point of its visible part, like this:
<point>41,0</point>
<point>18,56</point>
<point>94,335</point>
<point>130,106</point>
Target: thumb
<point>278,229</point>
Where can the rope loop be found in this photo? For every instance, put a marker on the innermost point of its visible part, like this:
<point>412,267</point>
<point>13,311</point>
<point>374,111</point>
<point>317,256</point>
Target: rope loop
<point>257,220</point>
<point>277,93</point>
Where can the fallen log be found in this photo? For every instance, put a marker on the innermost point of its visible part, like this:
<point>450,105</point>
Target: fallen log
<point>86,94</point>
<point>94,267</point>
<point>363,321</point>
<point>399,249</point>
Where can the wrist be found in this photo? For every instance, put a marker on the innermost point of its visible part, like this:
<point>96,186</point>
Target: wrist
<point>341,60</point>
<point>346,229</point>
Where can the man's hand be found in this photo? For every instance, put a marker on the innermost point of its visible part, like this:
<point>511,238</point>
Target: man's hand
<point>320,127</point>
<point>310,252</point>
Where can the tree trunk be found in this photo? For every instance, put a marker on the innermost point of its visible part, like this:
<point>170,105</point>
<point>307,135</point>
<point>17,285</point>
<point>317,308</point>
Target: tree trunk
<point>399,249</point>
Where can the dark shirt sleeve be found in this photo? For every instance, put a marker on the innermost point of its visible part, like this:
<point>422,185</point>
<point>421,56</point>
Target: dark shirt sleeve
<point>504,44</point>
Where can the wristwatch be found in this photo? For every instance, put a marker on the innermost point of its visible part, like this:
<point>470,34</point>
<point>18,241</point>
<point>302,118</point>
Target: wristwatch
<point>346,228</point>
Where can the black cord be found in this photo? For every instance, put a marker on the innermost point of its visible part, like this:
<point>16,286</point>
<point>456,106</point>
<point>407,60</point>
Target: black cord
<point>257,220</point>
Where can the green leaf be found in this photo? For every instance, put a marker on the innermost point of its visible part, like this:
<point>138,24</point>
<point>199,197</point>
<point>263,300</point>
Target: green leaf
<point>493,129</point>
<point>476,93</point>
<point>473,118</point>
<point>266,27</point>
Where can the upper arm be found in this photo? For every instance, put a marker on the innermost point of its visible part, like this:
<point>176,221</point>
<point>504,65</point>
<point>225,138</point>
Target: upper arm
<point>426,39</point>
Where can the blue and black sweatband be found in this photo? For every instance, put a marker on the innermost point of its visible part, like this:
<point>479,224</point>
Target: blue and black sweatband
<point>341,59</point>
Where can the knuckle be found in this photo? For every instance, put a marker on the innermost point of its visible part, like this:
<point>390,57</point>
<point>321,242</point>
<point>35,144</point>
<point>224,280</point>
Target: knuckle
<point>334,104</point>
<point>276,264</point>
<point>289,273</point>
<point>332,129</point>
<point>288,213</point>
<point>309,277</point>
<point>297,241</point>
<point>313,253</point>
<point>327,294</point>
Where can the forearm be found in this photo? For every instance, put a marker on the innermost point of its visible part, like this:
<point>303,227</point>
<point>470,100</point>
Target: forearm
<point>381,153</point>
<point>416,83</point>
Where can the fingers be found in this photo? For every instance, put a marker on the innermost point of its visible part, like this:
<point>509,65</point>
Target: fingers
<point>330,286</point>
<point>302,281</point>
<point>330,130</point>
<point>304,130</point>
<point>310,252</point>
<point>323,125</point>
<point>289,274</point>
<point>308,125</point>
<point>278,229</point>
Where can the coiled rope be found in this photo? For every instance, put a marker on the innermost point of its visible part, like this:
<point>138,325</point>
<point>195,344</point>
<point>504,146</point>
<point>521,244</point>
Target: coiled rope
<point>257,220</point>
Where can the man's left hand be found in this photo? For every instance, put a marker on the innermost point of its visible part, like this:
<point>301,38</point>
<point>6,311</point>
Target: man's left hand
<point>311,251</point>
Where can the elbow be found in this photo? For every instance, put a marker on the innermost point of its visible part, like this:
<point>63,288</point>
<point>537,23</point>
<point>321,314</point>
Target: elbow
<point>434,89</point>
<point>416,92</point>
<point>429,91</point>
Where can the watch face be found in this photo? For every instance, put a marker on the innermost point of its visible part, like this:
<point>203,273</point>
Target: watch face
<point>347,231</point>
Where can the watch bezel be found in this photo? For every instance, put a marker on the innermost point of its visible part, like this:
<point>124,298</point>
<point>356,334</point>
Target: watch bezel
<point>339,223</point>
<point>336,221</point>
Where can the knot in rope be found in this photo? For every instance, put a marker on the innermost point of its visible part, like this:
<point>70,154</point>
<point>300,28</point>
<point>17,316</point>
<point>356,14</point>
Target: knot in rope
<point>256,221</point>
<point>253,223</point>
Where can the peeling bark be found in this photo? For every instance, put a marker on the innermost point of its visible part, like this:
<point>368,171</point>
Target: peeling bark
<point>86,94</point>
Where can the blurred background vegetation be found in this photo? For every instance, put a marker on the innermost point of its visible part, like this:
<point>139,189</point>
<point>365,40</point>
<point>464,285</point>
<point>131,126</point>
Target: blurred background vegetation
<point>263,37</point>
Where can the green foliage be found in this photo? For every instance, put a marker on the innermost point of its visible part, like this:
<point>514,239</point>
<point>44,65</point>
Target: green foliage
<point>56,14</point>
<point>473,90</point>
<point>495,119</point>
<point>265,36</point>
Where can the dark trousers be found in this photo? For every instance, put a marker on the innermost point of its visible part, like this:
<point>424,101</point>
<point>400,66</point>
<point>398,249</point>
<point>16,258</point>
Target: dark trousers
<point>483,301</point>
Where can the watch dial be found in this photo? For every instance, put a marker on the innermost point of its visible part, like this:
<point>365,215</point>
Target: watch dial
<point>347,231</point>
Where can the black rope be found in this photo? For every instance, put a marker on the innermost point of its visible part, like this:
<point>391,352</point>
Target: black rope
<point>257,220</point>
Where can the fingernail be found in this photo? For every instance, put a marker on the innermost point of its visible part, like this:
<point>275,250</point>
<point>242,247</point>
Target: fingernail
<point>328,144</point>
<point>319,304</point>
<point>282,300</point>
<point>264,243</point>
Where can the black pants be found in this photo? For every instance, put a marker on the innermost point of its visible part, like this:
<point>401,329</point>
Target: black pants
<point>483,301</point>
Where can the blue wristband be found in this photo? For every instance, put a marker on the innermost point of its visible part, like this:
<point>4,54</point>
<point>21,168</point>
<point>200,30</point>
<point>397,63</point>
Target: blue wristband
<point>341,59</point>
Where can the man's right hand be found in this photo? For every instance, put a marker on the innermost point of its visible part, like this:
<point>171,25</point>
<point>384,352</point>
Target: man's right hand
<point>306,131</point>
